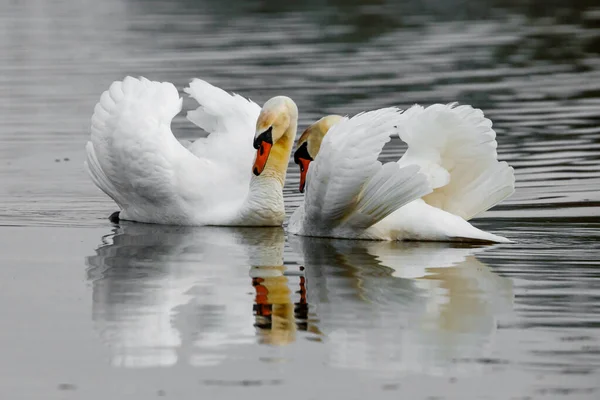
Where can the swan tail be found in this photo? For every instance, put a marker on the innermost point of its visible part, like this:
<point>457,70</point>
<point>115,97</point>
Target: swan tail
<point>469,233</point>
<point>421,221</point>
<point>387,190</point>
<point>456,148</point>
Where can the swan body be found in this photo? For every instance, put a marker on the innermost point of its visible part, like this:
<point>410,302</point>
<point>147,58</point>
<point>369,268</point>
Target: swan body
<point>453,146</point>
<point>348,189</point>
<point>134,158</point>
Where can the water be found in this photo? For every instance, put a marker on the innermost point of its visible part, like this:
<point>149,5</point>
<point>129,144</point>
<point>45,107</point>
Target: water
<point>94,311</point>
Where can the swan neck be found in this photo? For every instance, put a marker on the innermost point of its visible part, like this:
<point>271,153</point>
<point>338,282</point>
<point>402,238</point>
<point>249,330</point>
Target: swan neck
<point>264,205</point>
<point>277,164</point>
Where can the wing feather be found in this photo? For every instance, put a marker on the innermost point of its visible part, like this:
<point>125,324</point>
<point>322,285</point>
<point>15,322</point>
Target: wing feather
<point>134,157</point>
<point>347,185</point>
<point>230,120</point>
<point>456,148</point>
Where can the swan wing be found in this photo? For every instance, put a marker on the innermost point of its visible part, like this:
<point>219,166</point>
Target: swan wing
<point>455,146</point>
<point>135,159</point>
<point>230,120</point>
<point>347,186</point>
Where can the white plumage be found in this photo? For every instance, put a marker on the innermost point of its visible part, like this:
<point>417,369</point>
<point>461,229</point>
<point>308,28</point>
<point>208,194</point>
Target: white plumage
<point>453,147</point>
<point>230,120</point>
<point>134,158</point>
<point>348,188</point>
<point>456,147</point>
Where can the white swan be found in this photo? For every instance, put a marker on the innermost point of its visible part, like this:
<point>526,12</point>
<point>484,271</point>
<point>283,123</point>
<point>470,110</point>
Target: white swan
<point>134,158</point>
<point>454,146</point>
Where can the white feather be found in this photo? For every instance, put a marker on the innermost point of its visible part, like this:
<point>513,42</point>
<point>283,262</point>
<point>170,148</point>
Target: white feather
<point>389,189</point>
<point>348,189</point>
<point>456,148</point>
<point>134,158</point>
<point>423,222</point>
<point>227,118</point>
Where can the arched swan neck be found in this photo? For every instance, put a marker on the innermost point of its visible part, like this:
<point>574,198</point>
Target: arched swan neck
<point>264,205</point>
<point>277,164</point>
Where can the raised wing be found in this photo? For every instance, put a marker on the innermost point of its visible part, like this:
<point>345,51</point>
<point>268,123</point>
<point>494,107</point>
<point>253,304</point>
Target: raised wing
<point>347,186</point>
<point>455,146</point>
<point>134,157</point>
<point>230,120</point>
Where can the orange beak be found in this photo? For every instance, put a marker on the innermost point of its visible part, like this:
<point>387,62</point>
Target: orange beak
<point>304,163</point>
<point>262,155</point>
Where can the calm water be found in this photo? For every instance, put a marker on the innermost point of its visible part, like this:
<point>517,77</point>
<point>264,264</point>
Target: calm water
<point>94,311</point>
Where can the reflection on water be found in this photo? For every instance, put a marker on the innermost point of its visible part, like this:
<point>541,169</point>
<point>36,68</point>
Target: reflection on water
<point>277,316</point>
<point>404,307</point>
<point>169,296</point>
<point>162,290</point>
<point>163,295</point>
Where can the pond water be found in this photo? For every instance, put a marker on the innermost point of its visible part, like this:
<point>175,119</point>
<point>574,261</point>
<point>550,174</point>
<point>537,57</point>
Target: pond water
<point>95,311</point>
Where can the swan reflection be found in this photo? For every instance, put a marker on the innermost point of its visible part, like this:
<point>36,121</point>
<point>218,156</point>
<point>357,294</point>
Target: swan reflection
<point>163,294</point>
<point>404,307</point>
<point>168,295</point>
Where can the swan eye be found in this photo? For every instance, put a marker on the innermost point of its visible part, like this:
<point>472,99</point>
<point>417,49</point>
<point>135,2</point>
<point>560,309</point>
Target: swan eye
<point>302,153</point>
<point>266,136</point>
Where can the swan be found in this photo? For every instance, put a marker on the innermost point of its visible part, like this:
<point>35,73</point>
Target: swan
<point>453,146</point>
<point>350,190</point>
<point>134,158</point>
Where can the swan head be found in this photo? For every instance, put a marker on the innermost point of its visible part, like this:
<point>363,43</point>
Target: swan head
<point>309,144</point>
<point>278,115</point>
